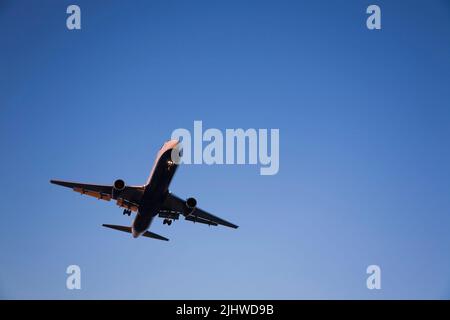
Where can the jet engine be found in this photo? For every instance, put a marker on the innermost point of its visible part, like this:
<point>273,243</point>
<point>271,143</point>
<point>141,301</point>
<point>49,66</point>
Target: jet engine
<point>190,206</point>
<point>118,186</point>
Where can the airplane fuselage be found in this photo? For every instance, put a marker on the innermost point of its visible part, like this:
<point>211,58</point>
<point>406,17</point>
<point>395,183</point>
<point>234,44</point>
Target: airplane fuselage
<point>152,199</point>
<point>156,189</point>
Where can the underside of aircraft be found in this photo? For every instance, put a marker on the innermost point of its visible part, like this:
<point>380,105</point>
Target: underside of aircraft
<point>150,200</point>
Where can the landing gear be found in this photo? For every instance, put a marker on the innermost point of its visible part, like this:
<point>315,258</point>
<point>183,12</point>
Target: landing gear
<point>167,221</point>
<point>170,164</point>
<point>127,212</point>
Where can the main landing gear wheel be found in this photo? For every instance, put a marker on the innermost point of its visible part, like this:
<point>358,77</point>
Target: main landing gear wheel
<point>167,221</point>
<point>127,212</point>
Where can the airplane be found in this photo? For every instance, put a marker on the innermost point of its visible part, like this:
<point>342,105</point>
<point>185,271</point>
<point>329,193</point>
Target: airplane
<point>150,200</point>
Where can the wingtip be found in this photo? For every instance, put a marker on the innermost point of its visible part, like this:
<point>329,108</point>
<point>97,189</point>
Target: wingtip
<point>231,225</point>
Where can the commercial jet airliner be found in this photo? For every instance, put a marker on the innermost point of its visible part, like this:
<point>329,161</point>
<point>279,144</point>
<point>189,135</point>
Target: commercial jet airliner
<point>150,200</point>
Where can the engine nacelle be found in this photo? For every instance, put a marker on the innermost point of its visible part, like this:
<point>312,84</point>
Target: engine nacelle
<point>118,186</point>
<point>190,206</point>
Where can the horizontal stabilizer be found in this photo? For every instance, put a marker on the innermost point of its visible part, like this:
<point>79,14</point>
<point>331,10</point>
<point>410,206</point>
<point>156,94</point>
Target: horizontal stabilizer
<point>147,234</point>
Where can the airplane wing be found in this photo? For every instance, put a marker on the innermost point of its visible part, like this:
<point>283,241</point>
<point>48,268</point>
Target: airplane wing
<point>127,198</point>
<point>174,206</point>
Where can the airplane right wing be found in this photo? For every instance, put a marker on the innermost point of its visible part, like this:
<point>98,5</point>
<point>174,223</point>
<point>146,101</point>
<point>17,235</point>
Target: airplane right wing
<point>127,198</point>
<point>175,206</point>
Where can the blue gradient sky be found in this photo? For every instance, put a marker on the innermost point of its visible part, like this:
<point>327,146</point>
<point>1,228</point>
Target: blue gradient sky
<point>364,151</point>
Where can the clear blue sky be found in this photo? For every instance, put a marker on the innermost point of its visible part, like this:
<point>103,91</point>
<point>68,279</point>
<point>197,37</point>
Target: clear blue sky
<point>364,153</point>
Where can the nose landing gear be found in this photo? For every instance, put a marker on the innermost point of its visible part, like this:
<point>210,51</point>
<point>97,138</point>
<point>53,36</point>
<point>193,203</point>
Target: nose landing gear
<point>127,212</point>
<point>170,164</point>
<point>167,221</point>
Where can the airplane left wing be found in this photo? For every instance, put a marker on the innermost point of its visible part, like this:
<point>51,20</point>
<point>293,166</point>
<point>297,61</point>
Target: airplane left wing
<point>127,198</point>
<point>175,206</point>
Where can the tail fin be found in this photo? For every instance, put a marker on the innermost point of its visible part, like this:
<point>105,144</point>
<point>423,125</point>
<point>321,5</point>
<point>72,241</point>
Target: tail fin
<point>147,234</point>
